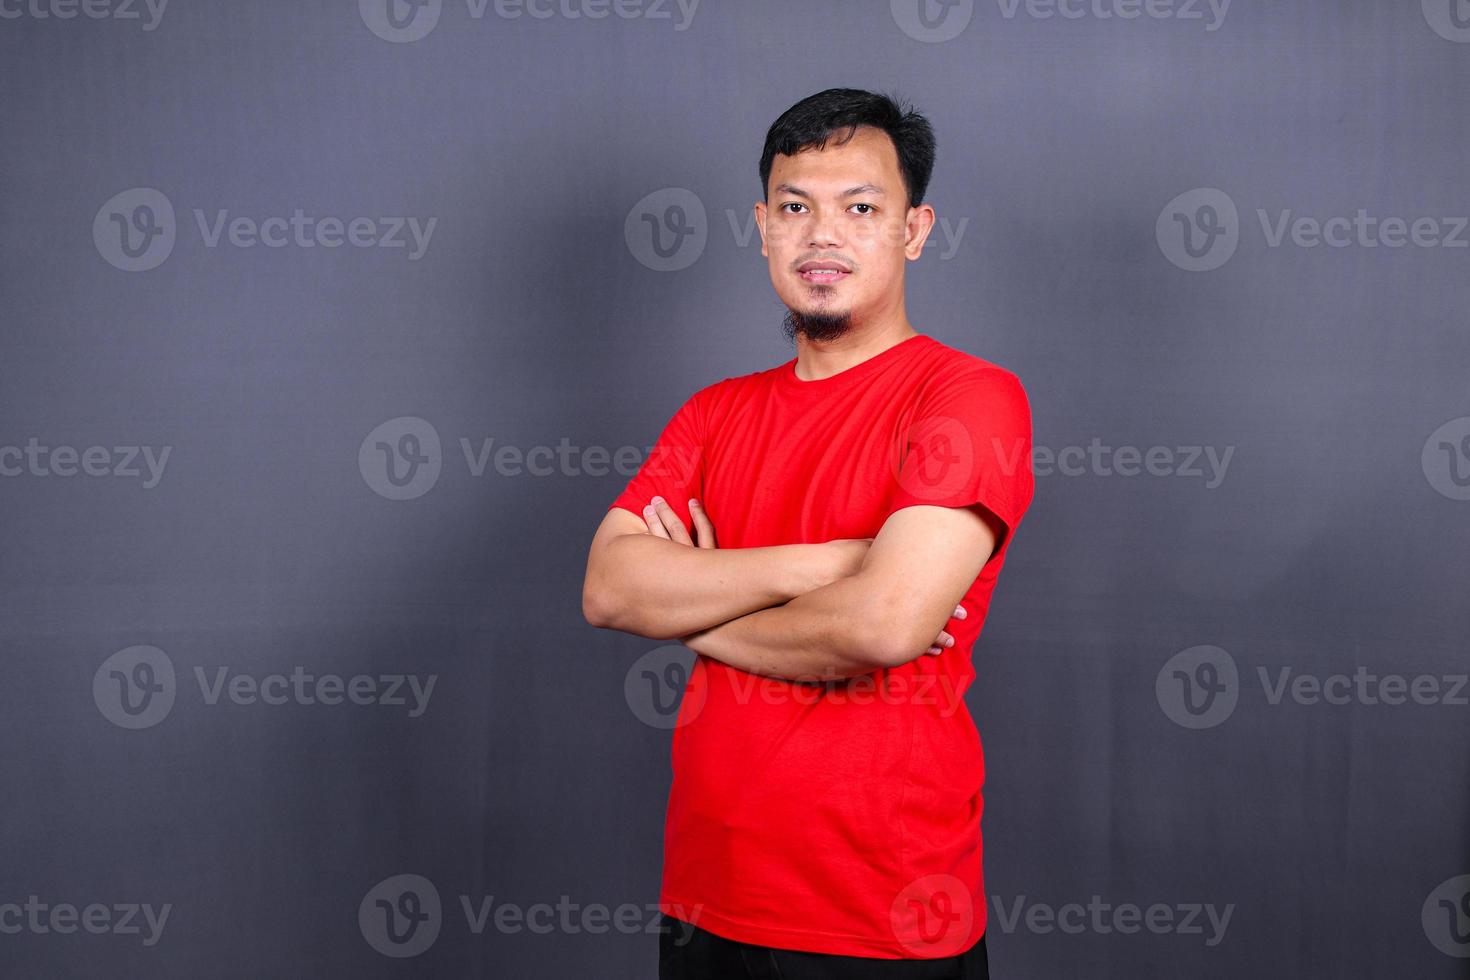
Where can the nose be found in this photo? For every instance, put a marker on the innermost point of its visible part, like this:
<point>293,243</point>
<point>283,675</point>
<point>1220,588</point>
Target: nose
<point>823,231</point>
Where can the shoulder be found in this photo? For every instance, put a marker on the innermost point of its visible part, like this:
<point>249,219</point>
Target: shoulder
<point>731,390</point>
<point>952,371</point>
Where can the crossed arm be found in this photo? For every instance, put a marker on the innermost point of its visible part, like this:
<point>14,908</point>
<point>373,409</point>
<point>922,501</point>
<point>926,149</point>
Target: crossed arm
<point>801,612</point>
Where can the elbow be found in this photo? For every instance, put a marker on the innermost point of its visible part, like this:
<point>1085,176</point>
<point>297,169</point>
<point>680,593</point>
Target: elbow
<point>869,646</point>
<point>603,608</point>
<point>888,637</point>
<point>883,656</point>
<point>596,605</point>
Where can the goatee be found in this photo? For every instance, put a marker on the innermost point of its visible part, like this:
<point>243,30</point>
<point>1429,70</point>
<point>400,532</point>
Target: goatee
<point>820,327</point>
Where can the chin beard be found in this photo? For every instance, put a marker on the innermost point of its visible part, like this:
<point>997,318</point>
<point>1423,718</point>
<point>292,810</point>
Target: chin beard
<point>820,327</point>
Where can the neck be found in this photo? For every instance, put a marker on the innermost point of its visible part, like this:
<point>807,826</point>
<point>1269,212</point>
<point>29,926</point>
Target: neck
<point>817,360</point>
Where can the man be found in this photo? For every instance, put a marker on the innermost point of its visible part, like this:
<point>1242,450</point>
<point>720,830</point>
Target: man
<point>824,816</point>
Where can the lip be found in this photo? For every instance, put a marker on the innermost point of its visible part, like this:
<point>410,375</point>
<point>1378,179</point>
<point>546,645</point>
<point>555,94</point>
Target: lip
<point>823,276</point>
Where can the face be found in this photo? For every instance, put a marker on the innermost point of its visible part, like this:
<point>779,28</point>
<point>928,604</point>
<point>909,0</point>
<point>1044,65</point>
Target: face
<point>837,231</point>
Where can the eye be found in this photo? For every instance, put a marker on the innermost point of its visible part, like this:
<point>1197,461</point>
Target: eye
<point>870,208</point>
<point>792,204</point>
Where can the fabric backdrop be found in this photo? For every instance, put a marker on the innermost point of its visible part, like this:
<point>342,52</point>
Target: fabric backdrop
<point>331,329</point>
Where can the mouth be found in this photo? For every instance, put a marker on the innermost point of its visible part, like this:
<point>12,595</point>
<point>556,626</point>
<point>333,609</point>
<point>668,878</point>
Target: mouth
<point>822,272</point>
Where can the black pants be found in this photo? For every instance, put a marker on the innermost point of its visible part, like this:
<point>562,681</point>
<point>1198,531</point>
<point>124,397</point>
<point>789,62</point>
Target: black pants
<point>686,952</point>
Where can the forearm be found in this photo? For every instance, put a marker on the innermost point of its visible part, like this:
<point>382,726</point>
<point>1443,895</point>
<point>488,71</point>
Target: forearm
<point>660,589</point>
<point>833,632</point>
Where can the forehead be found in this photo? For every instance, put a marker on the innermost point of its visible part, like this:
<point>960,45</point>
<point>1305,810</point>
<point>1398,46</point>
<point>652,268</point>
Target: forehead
<point>869,157</point>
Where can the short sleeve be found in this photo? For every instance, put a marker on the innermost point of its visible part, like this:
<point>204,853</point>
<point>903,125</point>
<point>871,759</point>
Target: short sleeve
<point>674,468</point>
<point>969,442</point>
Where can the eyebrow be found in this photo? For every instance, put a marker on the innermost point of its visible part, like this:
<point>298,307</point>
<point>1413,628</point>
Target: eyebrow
<point>859,189</point>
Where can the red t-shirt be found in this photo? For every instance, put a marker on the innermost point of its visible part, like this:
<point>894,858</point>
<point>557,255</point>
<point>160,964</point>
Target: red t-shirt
<point>840,818</point>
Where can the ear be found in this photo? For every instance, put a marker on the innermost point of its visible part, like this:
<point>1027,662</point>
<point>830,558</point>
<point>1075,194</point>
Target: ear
<point>920,223</point>
<point>760,222</point>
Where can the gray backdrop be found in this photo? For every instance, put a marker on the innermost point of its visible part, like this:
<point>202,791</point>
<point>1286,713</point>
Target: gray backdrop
<point>331,329</point>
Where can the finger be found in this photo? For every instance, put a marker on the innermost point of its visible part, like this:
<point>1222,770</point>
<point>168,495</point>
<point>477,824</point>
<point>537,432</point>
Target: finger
<point>960,612</point>
<point>933,651</point>
<point>655,526</point>
<point>672,523</point>
<point>704,529</point>
<point>944,639</point>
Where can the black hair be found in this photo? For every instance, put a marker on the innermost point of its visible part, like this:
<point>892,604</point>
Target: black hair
<point>812,120</point>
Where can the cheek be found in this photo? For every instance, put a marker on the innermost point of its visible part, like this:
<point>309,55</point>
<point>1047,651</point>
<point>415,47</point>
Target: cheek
<point>878,275</point>
<point>782,237</point>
